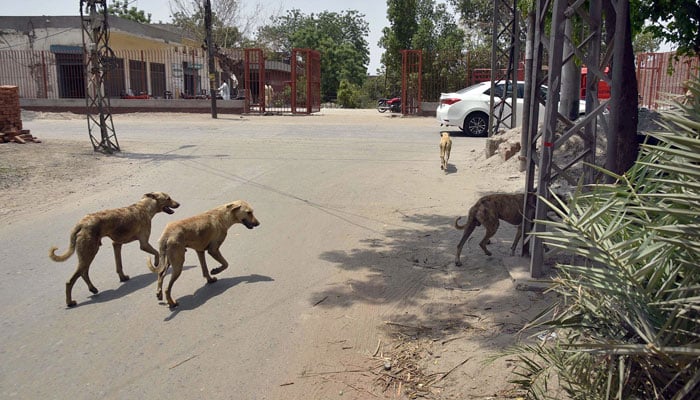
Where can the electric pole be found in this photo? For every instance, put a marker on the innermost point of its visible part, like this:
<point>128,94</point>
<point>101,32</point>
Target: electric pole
<point>97,51</point>
<point>210,54</point>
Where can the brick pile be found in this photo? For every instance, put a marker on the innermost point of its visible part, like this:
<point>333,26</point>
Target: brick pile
<point>11,117</point>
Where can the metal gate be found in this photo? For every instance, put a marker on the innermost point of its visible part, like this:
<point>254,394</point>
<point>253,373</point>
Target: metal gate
<point>411,81</point>
<point>253,81</point>
<point>305,81</point>
<point>282,85</point>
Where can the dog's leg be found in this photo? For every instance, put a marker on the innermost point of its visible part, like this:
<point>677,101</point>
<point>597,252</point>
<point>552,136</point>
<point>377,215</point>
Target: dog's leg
<point>176,259</point>
<point>145,246</point>
<point>118,260</point>
<point>86,249</point>
<point>177,270</point>
<point>69,288</point>
<point>518,235</point>
<point>467,232</point>
<point>491,228</point>
<point>443,157</point>
<point>205,270</point>
<point>214,252</point>
<point>159,289</point>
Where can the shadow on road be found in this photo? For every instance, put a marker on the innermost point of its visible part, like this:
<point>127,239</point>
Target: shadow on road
<point>167,156</point>
<point>209,291</point>
<point>125,288</point>
<point>451,169</point>
<point>413,269</point>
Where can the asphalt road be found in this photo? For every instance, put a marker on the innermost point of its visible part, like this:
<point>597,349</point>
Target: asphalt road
<point>345,199</point>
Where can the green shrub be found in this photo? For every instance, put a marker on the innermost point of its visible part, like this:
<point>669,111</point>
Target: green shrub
<point>628,320</point>
<point>349,95</point>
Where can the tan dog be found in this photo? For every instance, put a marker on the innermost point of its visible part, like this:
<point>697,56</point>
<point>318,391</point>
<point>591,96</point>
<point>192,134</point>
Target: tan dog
<point>122,225</point>
<point>487,211</point>
<point>203,232</point>
<point>445,147</point>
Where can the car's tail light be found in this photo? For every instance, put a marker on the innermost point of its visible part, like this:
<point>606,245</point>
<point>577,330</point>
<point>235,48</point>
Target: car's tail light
<point>449,101</point>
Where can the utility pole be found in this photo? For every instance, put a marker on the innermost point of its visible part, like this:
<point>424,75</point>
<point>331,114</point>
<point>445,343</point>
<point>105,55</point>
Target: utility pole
<point>210,54</point>
<point>96,50</point>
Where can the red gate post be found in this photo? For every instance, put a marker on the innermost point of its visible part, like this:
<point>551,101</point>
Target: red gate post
<point>411,81</point>
<point>255,58</point>
<point>311,71</point>
<point>293,81</point>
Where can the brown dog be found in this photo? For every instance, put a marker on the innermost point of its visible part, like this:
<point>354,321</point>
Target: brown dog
<point>445,147</point>
<point>203,232</point>
<point>122,225</point>
<point>487,211</point>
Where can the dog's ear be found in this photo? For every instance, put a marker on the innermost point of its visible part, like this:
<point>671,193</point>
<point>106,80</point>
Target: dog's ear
<point>151,195</point>
<point>233,206</point>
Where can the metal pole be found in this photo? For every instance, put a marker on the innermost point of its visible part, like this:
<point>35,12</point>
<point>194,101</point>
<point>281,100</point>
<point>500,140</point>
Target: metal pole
<point>210,51</point>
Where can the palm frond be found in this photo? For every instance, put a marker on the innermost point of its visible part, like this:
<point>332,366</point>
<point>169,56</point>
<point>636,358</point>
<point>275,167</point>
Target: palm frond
<point>628,319</point>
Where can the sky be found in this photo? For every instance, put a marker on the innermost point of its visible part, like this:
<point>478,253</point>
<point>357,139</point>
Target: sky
<point>374,11</point>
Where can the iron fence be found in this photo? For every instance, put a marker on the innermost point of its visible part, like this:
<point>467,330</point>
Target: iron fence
<point>293,83</point>
<point>662,77</point>
<point>173,73</point>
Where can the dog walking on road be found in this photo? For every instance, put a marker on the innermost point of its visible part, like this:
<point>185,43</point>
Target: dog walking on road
<point>122,225</point>
<point>487,211</point>
<point>202,232</point>
<point>445,147</point>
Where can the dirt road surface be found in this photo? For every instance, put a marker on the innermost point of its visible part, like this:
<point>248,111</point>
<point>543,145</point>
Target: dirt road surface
<point>347,289</point>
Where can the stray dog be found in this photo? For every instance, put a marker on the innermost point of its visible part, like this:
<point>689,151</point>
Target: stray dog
<point>445,147</point>
<point>122,225</point>
<point>203,232</point>
<point>487,211</point>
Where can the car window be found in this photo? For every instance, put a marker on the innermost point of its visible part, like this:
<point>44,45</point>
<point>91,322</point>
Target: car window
<point>460,91</point>
<point>498,90</point>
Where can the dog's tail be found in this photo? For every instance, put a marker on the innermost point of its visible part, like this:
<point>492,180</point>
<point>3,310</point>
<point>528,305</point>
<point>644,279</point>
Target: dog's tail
<point>163,262</point>
<point>471,220</point>
<point>71,247</point>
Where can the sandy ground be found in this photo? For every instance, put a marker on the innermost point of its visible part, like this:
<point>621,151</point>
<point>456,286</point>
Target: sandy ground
<point>395,319</point>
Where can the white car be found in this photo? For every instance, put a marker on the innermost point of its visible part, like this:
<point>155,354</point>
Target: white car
<point>468,109</point>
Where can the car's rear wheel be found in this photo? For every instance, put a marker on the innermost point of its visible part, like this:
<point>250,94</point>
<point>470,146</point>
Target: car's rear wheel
<point>476,124</point>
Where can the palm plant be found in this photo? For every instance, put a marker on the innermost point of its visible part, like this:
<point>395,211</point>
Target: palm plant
<point>627,321</point>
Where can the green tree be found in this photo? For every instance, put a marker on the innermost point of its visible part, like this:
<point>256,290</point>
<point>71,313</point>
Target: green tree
<point>476,14</point>
<point>676,21</point>
<point>646,42</point>
<point>398,35</point>
<point>121,9</point>
<point>339,37</point>
<point>430,27</point>
<point>349,95</point>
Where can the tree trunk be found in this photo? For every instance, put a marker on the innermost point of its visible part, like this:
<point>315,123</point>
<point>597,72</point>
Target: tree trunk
<point>570,80</point>
<point>623,148</point>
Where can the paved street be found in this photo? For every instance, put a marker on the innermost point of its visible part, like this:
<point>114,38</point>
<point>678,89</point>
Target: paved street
<point>349,204</point>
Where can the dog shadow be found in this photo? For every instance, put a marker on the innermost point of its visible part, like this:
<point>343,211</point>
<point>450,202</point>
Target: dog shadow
<point>125,288</point>
<point>451,169</point>
<point>209,291</point>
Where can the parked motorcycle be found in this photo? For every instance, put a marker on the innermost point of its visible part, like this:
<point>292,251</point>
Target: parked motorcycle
<point>393,105</point>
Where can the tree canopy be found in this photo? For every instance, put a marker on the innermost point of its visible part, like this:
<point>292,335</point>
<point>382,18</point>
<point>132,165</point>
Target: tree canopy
<point>121,9</point>
<point>428,26</point>
<point>676,21</point>
<point>339,37</point>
